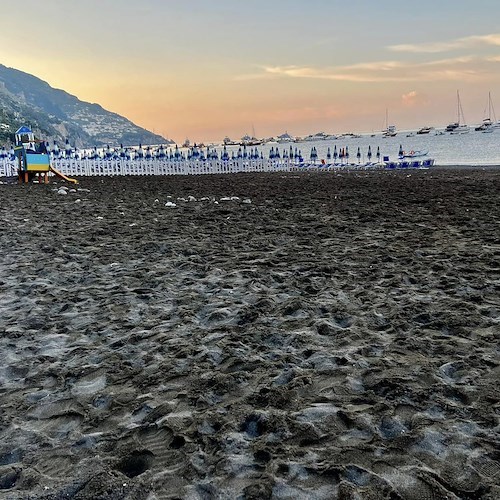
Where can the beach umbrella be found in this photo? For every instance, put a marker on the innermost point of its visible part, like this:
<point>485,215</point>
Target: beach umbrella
<point>378,153</point>
<point>328,154</point>
<point>67,149</point>
<point>346,152</point>
<point>358,155</point>
<point>313,157</point>
<point>369,153</point>
<point>335,154</point>
<point>401,152</point>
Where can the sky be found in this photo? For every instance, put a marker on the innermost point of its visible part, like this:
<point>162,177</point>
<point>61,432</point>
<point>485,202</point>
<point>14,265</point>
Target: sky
<point>204,69</point>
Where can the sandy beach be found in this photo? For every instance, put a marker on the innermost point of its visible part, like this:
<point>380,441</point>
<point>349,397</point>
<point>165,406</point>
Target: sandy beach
<point>252,336</point>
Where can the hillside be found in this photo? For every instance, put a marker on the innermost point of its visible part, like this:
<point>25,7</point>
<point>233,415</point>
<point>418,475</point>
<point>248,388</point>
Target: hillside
<point>56,115</point>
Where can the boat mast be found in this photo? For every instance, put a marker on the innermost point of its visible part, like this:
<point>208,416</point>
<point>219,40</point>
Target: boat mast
<point>491,109</point>
<point>460,110</point>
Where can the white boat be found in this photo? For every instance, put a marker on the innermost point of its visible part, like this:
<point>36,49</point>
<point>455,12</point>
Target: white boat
<point>424,130</point>
<point>390,130</point>
<point>458,127</point>
<point>461,129</point>
<point>250,141</point>
<point>320,136</point>
<point>350,135</point>
<point>488,124</point>
<point>451,127</point>
<point>228,142</point>
<point>285,138</point>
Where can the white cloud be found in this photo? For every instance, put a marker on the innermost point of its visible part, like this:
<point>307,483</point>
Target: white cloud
<point>469,42</point>
<point>466,68</point>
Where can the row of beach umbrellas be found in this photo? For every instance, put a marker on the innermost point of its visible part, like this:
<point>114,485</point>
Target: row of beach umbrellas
<point>193,153</point>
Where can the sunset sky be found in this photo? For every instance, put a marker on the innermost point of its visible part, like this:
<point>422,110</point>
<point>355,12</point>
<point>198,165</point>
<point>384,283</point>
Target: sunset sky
<point>204,69</point>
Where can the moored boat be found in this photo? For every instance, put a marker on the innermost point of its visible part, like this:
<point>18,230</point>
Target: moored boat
<point>389,130</point>
<point>458,127</point>
<point>285,138</point>
<point>488,124</point>
<point>250,141</point>
<point>424,130</point>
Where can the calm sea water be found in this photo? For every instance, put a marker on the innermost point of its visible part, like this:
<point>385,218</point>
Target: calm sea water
<point>474,148</point>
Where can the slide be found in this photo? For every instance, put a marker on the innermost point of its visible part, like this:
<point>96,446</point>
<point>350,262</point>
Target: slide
<point>62,176</point>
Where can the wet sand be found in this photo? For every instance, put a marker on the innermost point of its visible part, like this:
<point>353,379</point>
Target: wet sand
<point>322,336</point>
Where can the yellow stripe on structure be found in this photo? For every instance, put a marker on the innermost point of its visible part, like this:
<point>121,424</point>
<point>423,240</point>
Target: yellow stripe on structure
<point>38,168</point>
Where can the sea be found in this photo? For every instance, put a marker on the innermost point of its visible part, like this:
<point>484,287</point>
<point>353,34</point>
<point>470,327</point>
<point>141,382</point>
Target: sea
<point>474,148</point>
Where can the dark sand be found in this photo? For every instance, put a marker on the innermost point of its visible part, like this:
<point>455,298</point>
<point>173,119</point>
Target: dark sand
<point>337,337</point>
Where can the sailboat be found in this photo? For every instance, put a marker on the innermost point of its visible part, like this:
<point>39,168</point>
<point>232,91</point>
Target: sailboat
<point>390,130</point>
<point>458,127</point>
<point>489,124</point>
